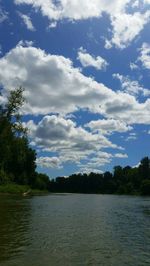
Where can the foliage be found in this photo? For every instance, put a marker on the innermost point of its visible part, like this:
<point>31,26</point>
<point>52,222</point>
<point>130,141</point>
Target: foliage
<point>145,187</point>
<point>17,159</point>
<point>13,188</point>
<point>125,180</point>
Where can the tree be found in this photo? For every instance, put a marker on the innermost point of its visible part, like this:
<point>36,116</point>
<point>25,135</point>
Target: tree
<point>145,187</point>
<point>12,110</point>
<point>144,168</point>
<point>17,159</point>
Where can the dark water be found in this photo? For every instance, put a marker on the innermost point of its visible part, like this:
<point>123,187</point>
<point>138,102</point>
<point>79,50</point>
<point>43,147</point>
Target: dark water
<point>74,230</point>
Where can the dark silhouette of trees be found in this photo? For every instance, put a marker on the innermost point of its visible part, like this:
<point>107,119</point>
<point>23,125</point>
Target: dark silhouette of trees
<point>144,168</point>
<point>125,180</point>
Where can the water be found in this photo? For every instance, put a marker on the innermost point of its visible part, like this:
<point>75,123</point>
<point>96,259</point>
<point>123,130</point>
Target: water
<point>74,230</point>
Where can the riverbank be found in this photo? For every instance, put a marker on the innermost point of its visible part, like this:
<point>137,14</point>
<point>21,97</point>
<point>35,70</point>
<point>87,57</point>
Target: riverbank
<point>21,190</point>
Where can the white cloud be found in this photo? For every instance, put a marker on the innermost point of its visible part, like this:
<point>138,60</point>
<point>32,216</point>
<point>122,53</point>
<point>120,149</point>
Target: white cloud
<point>133,66</point>
<point>72,143</point>
<point>52,25</point>
<point>121,155</point>
<point>131,86</point>
<point>86,169</point>
<point>132,136</point>
<point>27,21</point>
<point>75,9</point>
<point>55,132</point>
<point>25,43</point>
<point>1,49</point>
<point>108,126</point>
<point>145,55</point>
<point>53,85</point>
<point>3,15</point>
<point>123,33</point>
<point>94,164</point>
<point>50,82</point>
<point>135,3</point>
<point>48,162</point>
<point>121,21</point>
<point>147,1</point>
<point>88,60</point>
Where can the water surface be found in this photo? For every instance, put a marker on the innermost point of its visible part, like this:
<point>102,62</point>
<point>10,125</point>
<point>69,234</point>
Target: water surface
<point>74,230</point>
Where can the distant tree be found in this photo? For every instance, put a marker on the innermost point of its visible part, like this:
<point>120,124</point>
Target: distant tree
<point>118,176</point>
<point>125,180</point>
<point>145,187</point>
<point>41,182</point>
<point>144,168</point>
<point>108,183</point>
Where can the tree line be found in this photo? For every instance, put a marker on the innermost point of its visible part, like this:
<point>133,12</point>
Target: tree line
<point>123,180</point>
<point>18,162</point>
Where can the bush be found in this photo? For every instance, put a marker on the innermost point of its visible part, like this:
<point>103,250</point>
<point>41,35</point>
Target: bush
<point>3,177</point>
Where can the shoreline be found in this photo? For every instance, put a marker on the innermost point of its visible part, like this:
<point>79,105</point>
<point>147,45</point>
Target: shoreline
<point>21,190</point>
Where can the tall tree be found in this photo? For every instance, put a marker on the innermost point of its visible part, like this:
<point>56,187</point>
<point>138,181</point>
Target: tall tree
<point>17,159</point>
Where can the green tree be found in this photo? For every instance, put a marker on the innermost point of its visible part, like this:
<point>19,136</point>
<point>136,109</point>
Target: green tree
<point>144,168</point>
<point>145,187</point>
<point>17,159</point>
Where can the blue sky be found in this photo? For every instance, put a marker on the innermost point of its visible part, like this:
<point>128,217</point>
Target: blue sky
<point>85,67</point>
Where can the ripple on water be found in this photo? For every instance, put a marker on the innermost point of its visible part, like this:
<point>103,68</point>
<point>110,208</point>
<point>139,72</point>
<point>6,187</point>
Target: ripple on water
<point>75,230</point>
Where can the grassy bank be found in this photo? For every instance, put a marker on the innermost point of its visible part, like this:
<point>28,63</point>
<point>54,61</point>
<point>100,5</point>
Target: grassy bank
<point>20,189</point>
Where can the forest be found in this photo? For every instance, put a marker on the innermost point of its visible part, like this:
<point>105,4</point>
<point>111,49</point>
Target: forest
<point>18,162</point>
<point>127,180</point>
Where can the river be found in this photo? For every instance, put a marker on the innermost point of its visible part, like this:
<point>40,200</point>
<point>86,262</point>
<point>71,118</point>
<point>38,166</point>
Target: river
<point>74,229</point>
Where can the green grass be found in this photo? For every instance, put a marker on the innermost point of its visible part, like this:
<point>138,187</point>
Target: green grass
<point>13,188</point>
<point>19,189</point>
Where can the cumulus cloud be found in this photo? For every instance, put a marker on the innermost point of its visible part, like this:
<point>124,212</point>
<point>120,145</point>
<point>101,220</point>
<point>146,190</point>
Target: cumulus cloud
<point>145,55</point>
<point>75,9</point>
<point>51,82</point>
<point>94,164</point>
<point>121,20</point>
<point>53,85</point>
<point>88,60</point>
<point>72,143</point>
<point>55,132</point>
<point>27,21</point>
<point>100,159</point>
<point>123,33</point>
<point>107,126</point>
<point>48,162</point>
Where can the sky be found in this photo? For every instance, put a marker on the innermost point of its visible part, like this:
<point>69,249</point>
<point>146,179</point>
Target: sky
<point>85,67</point>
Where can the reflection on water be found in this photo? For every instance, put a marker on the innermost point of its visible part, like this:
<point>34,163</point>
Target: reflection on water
<point>14,222</point>
<point>74,230</point>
